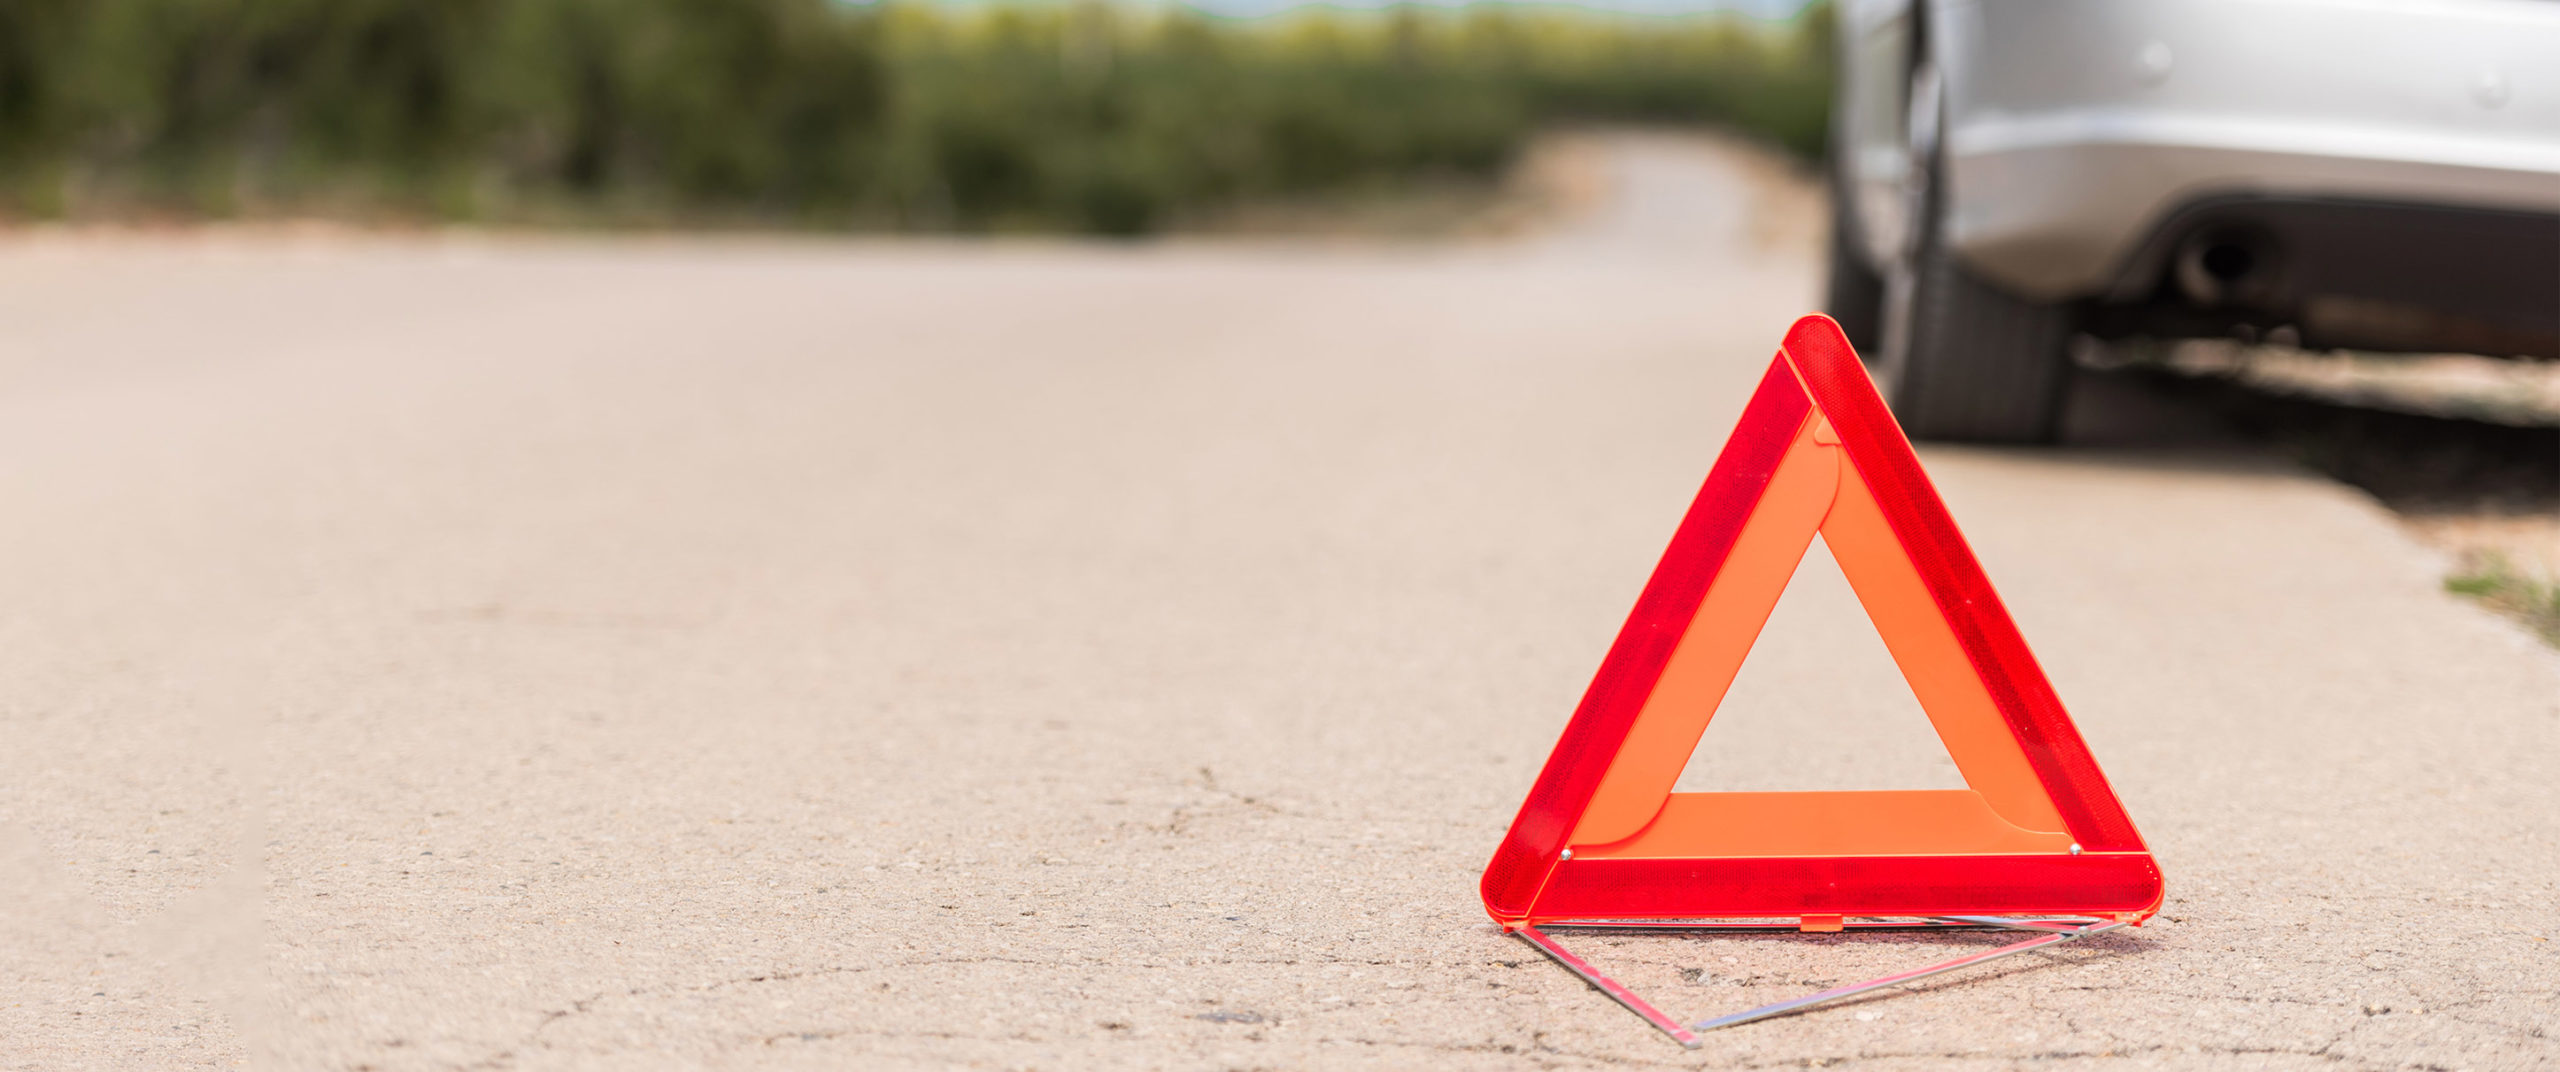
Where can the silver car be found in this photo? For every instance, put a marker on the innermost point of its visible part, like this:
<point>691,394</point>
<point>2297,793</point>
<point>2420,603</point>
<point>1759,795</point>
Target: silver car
<point>2364,174</point>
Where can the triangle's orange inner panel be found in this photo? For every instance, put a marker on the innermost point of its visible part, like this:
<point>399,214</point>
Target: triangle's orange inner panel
<point>1893,822</point>
<point>1635,813</point>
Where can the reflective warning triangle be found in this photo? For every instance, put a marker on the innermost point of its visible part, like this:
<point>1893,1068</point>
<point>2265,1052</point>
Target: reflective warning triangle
<point>2036,831</point>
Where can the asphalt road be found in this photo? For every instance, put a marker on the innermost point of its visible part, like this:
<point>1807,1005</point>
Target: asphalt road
<point>513,653</point>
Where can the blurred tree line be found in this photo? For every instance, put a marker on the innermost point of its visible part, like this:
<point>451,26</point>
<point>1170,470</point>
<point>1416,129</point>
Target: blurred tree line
<point>822,113</point>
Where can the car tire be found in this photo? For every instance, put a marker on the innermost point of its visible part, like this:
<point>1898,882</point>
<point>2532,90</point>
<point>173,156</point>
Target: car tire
<point>1980,364</point>
<point>1853,294</point>
<point>1960,357</point>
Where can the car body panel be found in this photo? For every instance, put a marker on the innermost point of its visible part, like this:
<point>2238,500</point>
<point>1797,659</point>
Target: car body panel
<point>2075,127</point>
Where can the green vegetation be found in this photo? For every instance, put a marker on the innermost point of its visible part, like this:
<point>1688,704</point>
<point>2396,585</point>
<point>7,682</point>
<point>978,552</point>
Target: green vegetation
<point>819,113</point>
<point>2500,587</point>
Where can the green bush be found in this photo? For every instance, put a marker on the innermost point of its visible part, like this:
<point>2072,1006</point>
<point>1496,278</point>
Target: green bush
<point>820,113</point>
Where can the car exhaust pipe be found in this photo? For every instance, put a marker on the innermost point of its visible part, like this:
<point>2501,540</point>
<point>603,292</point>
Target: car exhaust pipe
<point>2218,267</point>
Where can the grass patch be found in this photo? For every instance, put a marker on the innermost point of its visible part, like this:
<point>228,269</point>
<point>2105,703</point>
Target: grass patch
<point>2492,581</point>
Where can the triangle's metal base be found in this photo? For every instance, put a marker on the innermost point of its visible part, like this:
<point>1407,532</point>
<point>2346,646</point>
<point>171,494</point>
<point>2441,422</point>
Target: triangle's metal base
<point>2052,931</point>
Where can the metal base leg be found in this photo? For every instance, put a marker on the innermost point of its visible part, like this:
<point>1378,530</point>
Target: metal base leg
<point>2052,932</point>
<point>1608,986</point>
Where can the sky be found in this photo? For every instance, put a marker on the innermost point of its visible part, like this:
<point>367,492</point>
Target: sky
<point>1771,9</point>
<point>1760,8</point>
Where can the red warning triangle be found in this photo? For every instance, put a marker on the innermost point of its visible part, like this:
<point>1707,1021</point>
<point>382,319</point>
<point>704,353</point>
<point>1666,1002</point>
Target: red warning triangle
<point>2036,831</point>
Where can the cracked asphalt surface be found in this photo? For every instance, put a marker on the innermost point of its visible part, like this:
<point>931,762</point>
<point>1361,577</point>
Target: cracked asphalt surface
<point>517,653</point>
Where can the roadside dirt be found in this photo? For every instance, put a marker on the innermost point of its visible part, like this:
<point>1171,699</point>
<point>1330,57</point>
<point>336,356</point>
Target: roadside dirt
<point>1560,181</point>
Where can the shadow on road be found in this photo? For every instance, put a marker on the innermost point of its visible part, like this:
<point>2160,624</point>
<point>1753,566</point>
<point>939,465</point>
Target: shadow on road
<point>2413,462</point>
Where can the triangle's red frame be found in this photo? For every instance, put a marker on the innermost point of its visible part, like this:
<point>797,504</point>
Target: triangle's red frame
<point>1533,877</point>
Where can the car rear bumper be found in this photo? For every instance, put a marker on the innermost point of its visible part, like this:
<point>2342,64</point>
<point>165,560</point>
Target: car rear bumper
<point>2363,275</point>
<point>2077,131</point>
